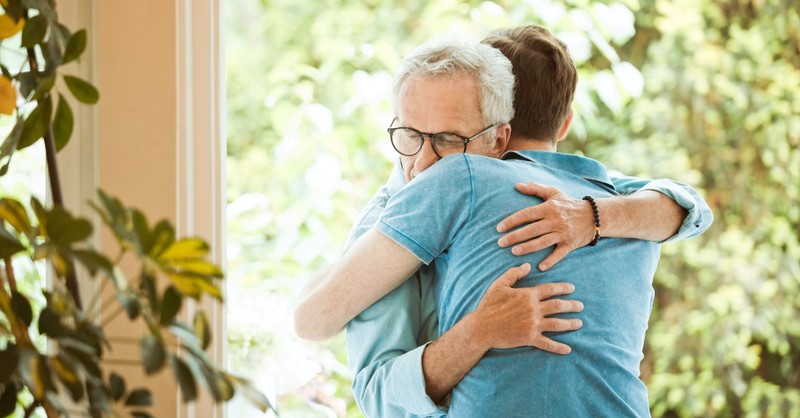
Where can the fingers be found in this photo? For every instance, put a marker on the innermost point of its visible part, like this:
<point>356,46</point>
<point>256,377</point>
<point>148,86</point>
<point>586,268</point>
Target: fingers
<point>548,290</point>
<point>557,255</point>
<point>536,189</point>
<point>512,275</point>
<point>522,216</point>
<point>556,306</point>
<point>527,232</point>
<point>546,344</point>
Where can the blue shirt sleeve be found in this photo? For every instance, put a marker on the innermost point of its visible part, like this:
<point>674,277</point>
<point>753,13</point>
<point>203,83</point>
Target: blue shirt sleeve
<point>699,216</point>
<point>386,341</point>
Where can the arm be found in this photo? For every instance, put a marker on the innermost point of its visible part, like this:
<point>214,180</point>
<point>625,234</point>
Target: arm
<point>369,270</point>
<point>655,210</point>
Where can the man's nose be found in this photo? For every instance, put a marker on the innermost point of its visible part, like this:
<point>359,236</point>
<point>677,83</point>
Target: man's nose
<point>426,158</point>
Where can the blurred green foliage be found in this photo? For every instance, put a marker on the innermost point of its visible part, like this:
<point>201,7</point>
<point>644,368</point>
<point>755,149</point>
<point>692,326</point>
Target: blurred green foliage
<point>706,92</point>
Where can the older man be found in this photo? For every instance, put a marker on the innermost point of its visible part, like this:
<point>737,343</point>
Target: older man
<point>440,107</point>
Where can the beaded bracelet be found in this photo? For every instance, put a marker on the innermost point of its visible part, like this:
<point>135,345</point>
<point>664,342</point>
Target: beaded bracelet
<point>596,220</point>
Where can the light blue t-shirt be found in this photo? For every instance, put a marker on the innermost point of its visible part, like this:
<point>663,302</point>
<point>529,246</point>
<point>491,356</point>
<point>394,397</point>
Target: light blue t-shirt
<point>449,214</point>
<point>386,341</point>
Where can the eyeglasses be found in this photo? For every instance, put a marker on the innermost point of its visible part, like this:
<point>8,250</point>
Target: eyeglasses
<point>409,141</point>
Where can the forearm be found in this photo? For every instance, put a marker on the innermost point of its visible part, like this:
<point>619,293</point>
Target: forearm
<point>448,359</point>
<point>647,215</point>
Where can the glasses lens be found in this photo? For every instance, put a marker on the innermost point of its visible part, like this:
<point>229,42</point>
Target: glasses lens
<point>446,144</point>
<point>406,141</point>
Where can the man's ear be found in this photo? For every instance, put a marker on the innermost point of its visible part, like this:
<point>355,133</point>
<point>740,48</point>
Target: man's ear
<point>501,139</point>
<point>565,126</point>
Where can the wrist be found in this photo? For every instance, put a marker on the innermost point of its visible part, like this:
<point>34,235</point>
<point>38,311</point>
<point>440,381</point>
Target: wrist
<point>595,230</point>
<point>473,333</point>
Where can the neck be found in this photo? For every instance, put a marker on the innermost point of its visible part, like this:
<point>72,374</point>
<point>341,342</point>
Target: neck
<point>530,144</point>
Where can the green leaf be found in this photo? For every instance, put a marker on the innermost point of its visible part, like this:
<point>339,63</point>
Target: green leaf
<point>34,31</point>
<point>44,86</point>
<point>63,229</point>
<point>94,261</point>
<point>147,284</point>
<point>82,90</point>
<point>131,304</point>
<point>34,373</point>
<point>251,393</point>
<point>49,323</point>
<point>21,307</point>
<point>117,385</point>
<point>10,145</point>
<point>9,244</point>
<point>27,82</point>
<point>153,354</point>
<point>185,379</point>
<point>9,357</point>
<point>67,373</point>
<point>63,123</point>
<point>75,46</point>
<point>139,397</point>
<point>15,215</point>
<point>89,362</point>
<point>201,329</point>
<point>170,305</point>
<point>36,124</point>
<point>8,398</point>
<point>140,230</point>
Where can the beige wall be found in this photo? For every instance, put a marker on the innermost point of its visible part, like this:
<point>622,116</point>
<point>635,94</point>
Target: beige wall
<point>155,140</point>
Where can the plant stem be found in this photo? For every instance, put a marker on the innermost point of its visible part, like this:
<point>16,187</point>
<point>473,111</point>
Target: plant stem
<point>12,282</point>
<point>55,184</point>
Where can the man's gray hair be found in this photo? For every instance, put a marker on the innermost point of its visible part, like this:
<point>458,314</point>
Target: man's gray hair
<point>451,57</point>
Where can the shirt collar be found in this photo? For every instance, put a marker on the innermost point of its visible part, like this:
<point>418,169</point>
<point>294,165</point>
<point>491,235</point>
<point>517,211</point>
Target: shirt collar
<point>584,167</point>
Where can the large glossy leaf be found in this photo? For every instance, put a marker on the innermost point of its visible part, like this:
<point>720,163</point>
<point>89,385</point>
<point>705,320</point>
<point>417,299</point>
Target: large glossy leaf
<point>139,397</point>
<point>117,386</point>
<point>8,398</point>
<point>75,46</point>
<point>36,124</point>
<point>201,329</point>
<point>9,244</point>
<point>15,215</point>
<point>9,357</point>
<point>94,261</point>
<point>170,306</point>
<point>21,307</point>
<point>194,286</point>
<point>34,31</point>
<point>82,90</point>
<point>10,145</point>
<point>185,379</point>
<point>130,302</point>
<point>35,373</point>
<point>63,229</point>
<point>68,374</point>
<point>63,123</point>
<point>251,393</point>
<point>153,354</point>
<point>183,249</point>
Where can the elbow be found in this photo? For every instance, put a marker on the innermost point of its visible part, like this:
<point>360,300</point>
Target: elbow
<point>309,328</point>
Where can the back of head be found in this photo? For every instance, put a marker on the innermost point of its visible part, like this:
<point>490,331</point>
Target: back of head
<point>452,57</point>
<point>546,80</point>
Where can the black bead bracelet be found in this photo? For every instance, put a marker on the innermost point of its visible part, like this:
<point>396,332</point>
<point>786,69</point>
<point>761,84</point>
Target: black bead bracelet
<point>596,213</point>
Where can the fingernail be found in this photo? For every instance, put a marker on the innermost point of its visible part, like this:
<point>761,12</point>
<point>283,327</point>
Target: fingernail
<point>526,266</point>
<point>501,227</point>
<point>503,242</point>
<point>516,251</point>
<point>580,323</point>
<point>543,266</point>
<point>580,305</point>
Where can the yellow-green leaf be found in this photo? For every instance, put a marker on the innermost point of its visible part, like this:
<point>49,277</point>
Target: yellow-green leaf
<point>186,248</point>
<point>15,215</point>
<point>201,329</point>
